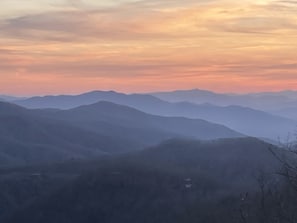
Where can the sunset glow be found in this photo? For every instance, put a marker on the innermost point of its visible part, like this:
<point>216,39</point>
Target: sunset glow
<point>71,46</point>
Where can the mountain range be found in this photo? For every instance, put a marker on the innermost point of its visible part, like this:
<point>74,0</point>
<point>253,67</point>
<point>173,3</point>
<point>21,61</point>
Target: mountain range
<point>10,98</point>
<point>112,157</point>
<point>266,101</point>
<point>246,120</point>
<point>35,136</point>
<point>27,138</point>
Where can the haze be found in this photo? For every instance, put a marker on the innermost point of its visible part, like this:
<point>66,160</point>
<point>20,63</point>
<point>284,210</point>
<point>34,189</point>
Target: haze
<point>148,111</point>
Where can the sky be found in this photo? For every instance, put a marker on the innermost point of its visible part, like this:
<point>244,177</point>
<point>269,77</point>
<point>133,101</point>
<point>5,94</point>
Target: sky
<point>72,46</point>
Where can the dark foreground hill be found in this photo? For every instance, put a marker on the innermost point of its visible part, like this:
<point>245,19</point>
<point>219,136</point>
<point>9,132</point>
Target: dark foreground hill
<point>178,181</point>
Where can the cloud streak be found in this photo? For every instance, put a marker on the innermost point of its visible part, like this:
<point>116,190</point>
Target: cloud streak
<point>151,44</point>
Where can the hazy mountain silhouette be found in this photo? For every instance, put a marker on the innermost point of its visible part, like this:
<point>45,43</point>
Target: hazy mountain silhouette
<point>27,138</point>
<point>10,98</point>
<point>196,96</point>
<point>288,93</point>
<point>72,101</point>
<point>246,120</point>
<point>177,181</point>
<point>290,112</point>
<point>125,122</point>
<point>265,101</point>
<point>242,119</point>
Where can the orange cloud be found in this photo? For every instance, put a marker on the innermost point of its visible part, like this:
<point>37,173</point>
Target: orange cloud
<point>221,45</point>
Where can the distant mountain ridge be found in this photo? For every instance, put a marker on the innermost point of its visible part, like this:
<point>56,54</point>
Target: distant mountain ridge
<point>282,103</point>
<point>10,98</point>
<point>72,101</point>
<point>102,116</point>
<point>290,112</point>
<point>264,101</point>
<point>242,119</point>
<point>37,136</point>
<point>27,138</point>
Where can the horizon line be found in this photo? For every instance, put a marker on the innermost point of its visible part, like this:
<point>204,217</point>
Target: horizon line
<point>147,93</point>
